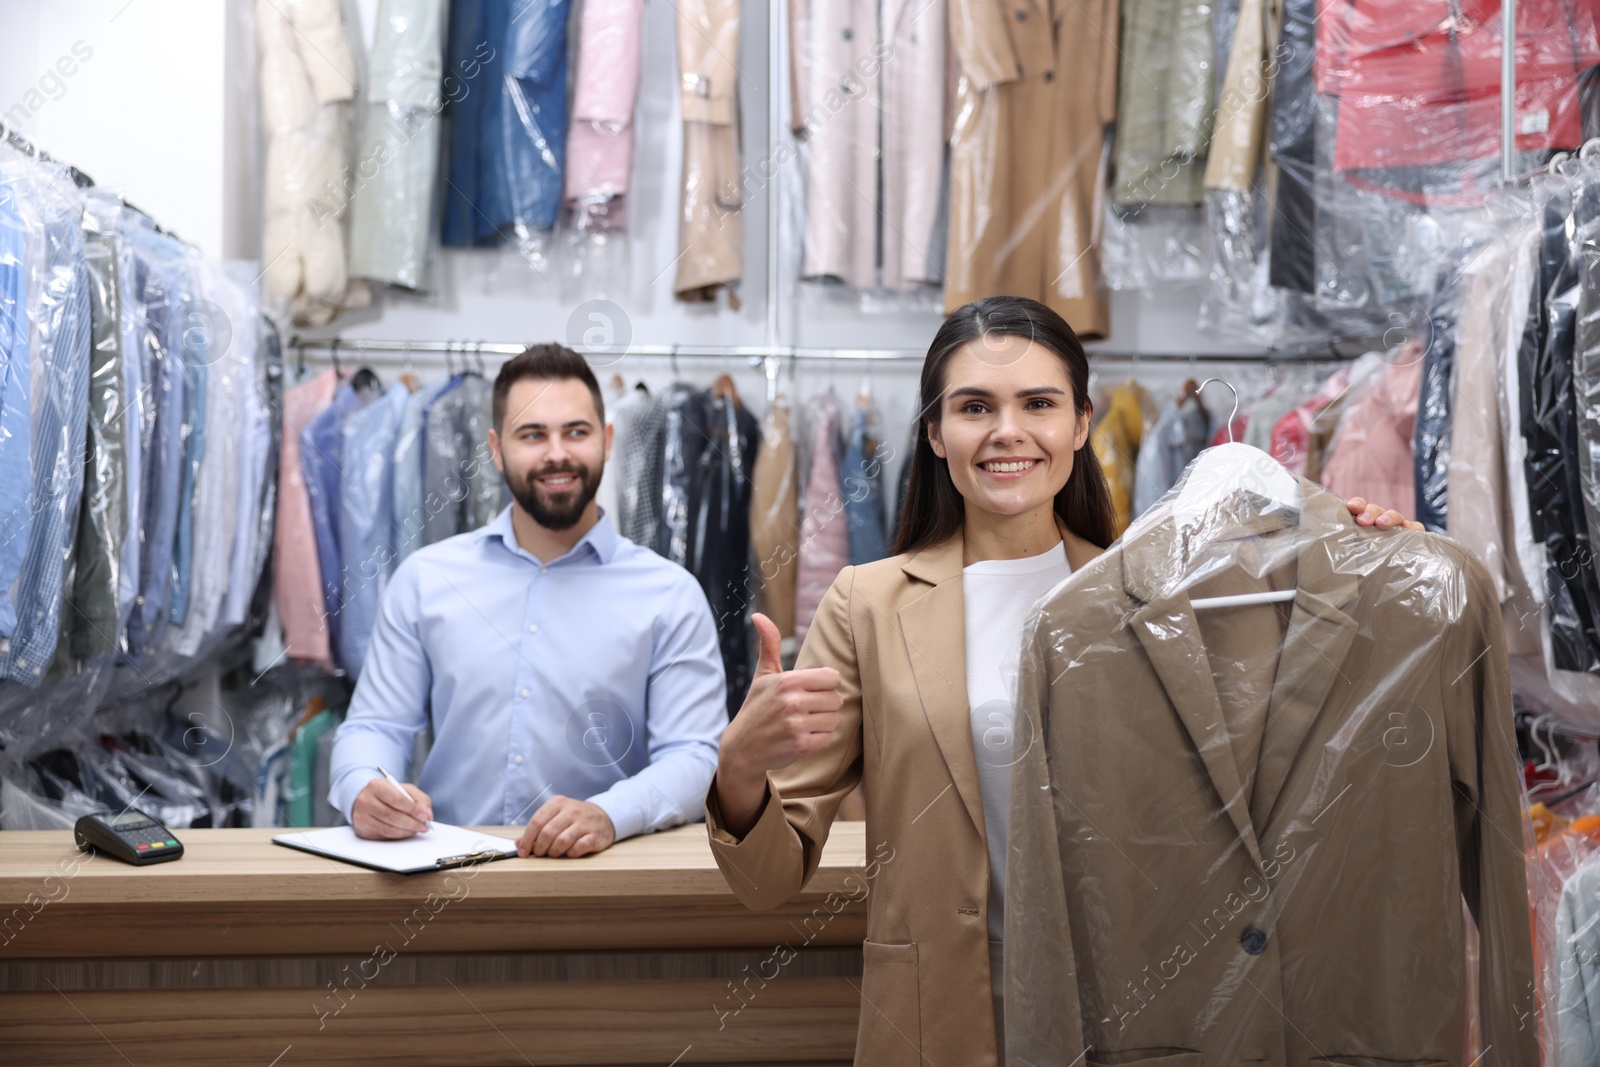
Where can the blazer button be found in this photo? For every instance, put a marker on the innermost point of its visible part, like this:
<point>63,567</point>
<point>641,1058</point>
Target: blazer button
<point>1022,16</point>
<point>1254,940</point>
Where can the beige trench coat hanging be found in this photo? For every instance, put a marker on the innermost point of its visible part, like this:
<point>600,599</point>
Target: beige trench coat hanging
<point>871,94</point>
<point>710,229</point>
<point>1037,91</point>
<point>838,75</point>
<point>914,72</point>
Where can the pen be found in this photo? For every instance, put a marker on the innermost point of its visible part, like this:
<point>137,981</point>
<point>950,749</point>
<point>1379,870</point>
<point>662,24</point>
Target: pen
<point>402,789</point>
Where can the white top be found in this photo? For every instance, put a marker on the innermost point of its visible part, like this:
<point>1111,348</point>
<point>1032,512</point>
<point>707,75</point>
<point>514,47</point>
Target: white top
<point>998,594</point>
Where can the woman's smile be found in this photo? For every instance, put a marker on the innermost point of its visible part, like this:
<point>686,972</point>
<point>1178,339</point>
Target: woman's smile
<point>1010,468</point>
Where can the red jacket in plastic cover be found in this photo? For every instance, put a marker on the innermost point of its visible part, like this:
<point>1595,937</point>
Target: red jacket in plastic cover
<point>1418,81</point>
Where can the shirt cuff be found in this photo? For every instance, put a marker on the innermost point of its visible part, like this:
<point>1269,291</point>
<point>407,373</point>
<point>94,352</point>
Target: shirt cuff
<point>626,815</point>
<point>342,794</point>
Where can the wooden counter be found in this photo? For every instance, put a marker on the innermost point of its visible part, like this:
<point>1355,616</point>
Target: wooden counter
<point>247,952</point>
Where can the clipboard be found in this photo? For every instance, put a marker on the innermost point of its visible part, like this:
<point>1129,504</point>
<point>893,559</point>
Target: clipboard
<point>439,849</point>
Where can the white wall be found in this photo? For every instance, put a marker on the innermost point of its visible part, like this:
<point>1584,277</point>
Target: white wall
<point>131,93</point>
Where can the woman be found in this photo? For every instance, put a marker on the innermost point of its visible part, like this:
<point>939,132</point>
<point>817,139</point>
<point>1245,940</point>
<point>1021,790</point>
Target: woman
<point>903,684</point>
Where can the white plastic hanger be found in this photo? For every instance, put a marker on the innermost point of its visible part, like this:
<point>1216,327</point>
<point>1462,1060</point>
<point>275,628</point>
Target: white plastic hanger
<point>1225,471</point>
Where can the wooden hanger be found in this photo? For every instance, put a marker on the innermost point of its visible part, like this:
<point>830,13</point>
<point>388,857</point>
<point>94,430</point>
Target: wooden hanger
<point>314,707</point>
<point>723,387</point>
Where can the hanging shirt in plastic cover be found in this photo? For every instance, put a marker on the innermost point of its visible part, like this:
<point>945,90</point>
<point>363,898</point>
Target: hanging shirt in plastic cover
<point>153,328</point>
<point>1550,432</point>
<point>1036,93</point>
<point>16,510</point>
<point>824,531</point>
<point>710,445</point>
<point>58,318</point>
<point>1586,373</point>
<point>534,120</point>
<point>861,479</point>
<point>1116,439</point>
<point>390,221</point>
<point>457,468</point>
<point>636,450</point>
<point>1176,438</point>
<point>1432,433</point>
<point>710,227</point>
<point>1494,306</point>
<point>218,336</point>
<point>600,143</point>
<point>91,617</point>
<point>775,517</point>
<point>1243,831</point>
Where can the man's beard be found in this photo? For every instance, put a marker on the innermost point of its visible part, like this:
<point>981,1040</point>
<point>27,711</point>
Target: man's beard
<point>556,511</point>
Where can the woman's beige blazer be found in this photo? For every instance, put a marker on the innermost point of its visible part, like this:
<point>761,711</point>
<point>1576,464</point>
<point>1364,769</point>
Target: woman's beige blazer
<point>895,632</point>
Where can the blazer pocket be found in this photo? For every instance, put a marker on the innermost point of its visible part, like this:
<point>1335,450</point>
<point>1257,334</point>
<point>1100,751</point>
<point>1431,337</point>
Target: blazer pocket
<point>1146,1057</point>
<point>890,1032</point>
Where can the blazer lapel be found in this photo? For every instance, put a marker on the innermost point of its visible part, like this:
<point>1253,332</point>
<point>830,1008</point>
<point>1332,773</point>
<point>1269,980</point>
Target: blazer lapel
<point>933,626</point>
<point>1154,561</point>
<point>1314,650</point>
<point>1171,638</point>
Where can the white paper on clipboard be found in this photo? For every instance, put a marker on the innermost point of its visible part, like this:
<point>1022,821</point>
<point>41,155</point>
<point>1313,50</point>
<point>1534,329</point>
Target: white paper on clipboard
<point>440,848</point>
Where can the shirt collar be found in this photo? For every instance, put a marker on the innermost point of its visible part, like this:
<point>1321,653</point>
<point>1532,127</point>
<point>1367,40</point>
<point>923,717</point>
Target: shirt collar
<point>602,538</point>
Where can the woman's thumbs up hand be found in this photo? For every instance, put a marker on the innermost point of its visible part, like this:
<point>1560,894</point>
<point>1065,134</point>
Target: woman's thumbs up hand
<point>786,715</point>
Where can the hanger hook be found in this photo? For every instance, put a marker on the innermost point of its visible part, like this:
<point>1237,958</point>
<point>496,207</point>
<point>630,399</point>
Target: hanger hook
<point>1232,414</point>
<point>673,353</point>
<point>333,352</point>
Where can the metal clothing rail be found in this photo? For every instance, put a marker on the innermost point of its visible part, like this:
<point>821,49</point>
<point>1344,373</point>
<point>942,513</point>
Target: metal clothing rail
<point>16,140</point>
<point>333,346</point>
<point>1508,90</point>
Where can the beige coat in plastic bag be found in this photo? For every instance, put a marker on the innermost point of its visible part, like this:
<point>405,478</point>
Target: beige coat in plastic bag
<point>710,226</point>
<point>1037,91</point>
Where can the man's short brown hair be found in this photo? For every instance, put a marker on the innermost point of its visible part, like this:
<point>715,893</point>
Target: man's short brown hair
<point>547,363</point>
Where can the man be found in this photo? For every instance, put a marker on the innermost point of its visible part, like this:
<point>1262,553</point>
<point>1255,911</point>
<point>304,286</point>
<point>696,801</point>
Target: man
<point>571,675</point>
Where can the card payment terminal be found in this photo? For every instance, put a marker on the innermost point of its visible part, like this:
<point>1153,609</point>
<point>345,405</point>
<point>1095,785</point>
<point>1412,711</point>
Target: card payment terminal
<point>131,836</point>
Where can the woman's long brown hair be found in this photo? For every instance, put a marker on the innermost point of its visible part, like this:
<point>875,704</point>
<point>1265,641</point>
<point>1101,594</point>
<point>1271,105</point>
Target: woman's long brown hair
<point>934,509</point>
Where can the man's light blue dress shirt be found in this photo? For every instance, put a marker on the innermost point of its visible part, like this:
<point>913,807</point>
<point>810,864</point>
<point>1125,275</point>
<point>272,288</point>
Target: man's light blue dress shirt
<point>366,517</point>
<point>595,676</point>
<point>16,503</point>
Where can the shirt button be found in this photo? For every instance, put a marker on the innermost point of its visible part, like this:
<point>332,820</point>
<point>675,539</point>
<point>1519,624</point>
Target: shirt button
<point>1022,16</point>
<point>847,33</point>
<point>1254,940</point>
<point>523,694</point>
<point>1049,75</point>
<point>532,629</point>
<point>517,760</point>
